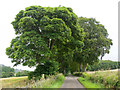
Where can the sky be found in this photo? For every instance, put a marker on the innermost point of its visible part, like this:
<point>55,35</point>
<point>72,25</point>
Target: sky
<point>104,11</point>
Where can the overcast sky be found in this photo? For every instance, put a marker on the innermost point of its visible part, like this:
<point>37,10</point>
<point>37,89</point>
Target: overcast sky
<point>104,11</point>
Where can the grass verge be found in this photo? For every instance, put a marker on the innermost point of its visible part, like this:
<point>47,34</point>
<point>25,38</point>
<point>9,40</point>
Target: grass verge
<point>59,81</point>
<point>88,84</point>
<point>110,79</point>
<point>53,83</point>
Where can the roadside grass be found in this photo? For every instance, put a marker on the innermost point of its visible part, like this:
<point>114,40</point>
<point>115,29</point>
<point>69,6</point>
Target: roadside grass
<point>88,84</point>
<point>109,79</point>
<point>59,81</point>
<point>23,82</point>
<point>53,83</point>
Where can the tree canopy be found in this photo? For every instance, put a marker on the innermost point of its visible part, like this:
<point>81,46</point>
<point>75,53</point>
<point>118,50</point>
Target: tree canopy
<point>44,33</point>
<point>54,38</point>
<point>96,41</point>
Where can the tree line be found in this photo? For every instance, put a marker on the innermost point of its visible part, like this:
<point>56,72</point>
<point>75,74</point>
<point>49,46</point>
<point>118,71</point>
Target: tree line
<point>104,65</point>
<point>55,39</point>
<point>7,71</point>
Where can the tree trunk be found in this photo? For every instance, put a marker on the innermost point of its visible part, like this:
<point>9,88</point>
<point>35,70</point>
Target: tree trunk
<point>48,42</point>
<point>51,44</point>
<point>64,71</point>
<point>80,67</point>
<point>84,67</point>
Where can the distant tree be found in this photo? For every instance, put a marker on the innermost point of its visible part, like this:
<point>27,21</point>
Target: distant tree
<point>103,65</point>
<point>22,73</point>
<point>6,71</point>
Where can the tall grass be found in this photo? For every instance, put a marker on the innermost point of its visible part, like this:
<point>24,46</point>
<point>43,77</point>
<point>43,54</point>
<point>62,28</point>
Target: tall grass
<point>52,82</point>
<point>23,82</point>
<point>88,84</point>
<point>110,79</point>
<point>14,82</point>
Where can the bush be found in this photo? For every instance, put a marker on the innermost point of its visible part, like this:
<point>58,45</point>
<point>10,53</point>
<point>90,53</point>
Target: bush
<point>66,74</point>
<point>47,68</point>
<point>77,74</point>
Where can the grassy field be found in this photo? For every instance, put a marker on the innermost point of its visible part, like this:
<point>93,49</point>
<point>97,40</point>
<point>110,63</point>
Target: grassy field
<point>110,79</point>
<point>15,82</point>
<point>23,82</point>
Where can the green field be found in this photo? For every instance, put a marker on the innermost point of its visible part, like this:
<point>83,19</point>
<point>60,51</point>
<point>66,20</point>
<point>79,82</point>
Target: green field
<point>110,79</point>
<point>15,82</point>
<point>23,82</point>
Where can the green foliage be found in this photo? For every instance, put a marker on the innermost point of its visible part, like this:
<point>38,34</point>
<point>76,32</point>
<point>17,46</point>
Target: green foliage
<point>26,49</point>
<point>6,68</point>
<point>96,42</point>
<point>74,66</point>
<point>45,33</point>
<point>8,74</point>
<point>48,67</point>
<point>77,74</point>
<point>6,71</point>
<point>108,78</point>
<point>22,73</point>
<point>103,65</point>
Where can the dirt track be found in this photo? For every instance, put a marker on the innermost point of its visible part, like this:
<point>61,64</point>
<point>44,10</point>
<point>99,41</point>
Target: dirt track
<point>72,82</point>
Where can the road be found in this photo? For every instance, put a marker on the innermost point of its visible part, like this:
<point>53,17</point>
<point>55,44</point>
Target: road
<point>72,82</point>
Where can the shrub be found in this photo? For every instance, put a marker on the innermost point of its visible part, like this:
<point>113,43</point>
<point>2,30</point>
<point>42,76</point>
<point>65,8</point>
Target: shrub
<point>47,68</point>
<point>77,74</point>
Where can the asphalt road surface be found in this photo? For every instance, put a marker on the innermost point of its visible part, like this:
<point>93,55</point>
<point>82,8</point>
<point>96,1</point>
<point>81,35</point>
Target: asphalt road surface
<point>72,82</point>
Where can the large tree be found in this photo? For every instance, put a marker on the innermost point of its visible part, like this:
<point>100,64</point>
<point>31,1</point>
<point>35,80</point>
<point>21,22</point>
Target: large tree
<point>42,33</point>
<point>96,42</point>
